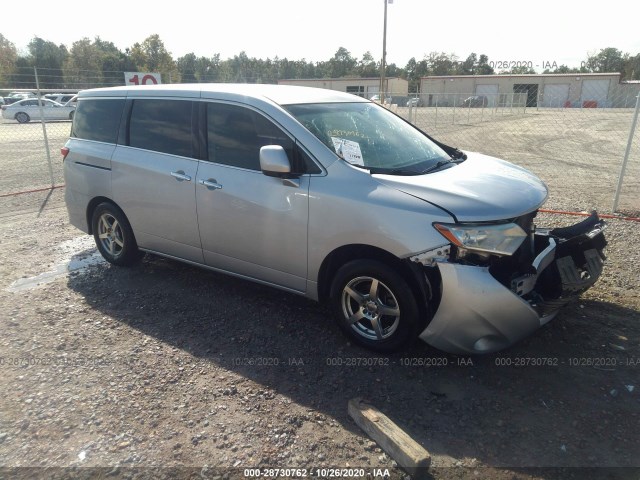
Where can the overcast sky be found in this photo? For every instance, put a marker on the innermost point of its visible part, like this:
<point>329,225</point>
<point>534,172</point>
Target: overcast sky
<point>535,31</point>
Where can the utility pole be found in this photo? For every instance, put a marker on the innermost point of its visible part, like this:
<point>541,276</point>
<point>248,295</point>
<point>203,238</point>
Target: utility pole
<point>384,53</point>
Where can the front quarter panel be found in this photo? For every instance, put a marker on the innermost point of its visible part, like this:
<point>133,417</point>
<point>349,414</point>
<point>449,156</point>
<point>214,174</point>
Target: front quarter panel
<point>348,207</point>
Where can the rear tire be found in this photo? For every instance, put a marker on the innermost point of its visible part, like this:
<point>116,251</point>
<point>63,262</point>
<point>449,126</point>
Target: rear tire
<point>71,115</point>
<point>22,117</point>
<point>113,236</point>
<point>375,306</point>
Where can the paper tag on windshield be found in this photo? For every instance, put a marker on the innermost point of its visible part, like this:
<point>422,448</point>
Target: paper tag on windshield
<point>349,150</point>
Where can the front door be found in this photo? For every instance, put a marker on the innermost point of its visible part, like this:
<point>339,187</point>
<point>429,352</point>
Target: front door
<point>250,224</point>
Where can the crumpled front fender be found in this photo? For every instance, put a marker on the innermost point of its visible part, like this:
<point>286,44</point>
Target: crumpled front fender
<point>477,314</point>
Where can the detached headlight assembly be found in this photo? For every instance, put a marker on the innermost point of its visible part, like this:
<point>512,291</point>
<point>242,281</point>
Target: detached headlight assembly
<point>502,239</point>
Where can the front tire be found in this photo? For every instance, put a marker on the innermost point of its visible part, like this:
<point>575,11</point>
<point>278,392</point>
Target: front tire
<point>22,117</point>
<point>113,235</point>
<point>374,306</point>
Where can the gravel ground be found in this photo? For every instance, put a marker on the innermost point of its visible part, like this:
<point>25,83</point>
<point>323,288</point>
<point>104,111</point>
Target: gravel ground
<point>165,370</point>
<point>127,373</point>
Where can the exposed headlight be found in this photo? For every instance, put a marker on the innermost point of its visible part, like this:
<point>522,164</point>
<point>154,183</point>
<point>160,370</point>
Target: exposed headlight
<point>503,239</point>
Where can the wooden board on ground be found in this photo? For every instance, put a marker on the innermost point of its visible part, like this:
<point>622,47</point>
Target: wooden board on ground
<point>407,453</point>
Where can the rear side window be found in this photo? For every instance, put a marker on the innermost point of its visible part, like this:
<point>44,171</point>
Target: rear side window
<point>98,119</point>
<point>162,126</point>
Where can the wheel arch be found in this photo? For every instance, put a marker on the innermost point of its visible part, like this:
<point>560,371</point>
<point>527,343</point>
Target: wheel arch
<point>412,273</point>
<point>20,112</point>
<point>92,206</point>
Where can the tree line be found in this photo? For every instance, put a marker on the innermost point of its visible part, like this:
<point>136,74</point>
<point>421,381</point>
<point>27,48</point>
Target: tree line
<point>91,63</point>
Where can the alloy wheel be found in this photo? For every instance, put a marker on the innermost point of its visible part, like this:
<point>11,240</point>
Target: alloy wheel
<point>370,308</point>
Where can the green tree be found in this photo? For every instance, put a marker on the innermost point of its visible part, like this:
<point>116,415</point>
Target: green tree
<point>207,69</point>
<point>96,63</point>
<point>441,63</point>
<point>565,69</point>
<point>49,59</point>
<point>8,57</point>
<point>469,66</point>
<point>393,70</point>
<point>240,68</point>
<point>342,64</point>
<point>83,67</point>
<point>414,71</point>
<point>519,70</point>
<point>187,67</point>
<point>152,56</point>
<point>367,66</point>
<point>607,60</point>
<point>632,67</point>
<point>484,68</point>
<point>114,62</point>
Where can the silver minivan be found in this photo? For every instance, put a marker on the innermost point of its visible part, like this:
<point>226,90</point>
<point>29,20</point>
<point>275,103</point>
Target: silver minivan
<point>331,196</point>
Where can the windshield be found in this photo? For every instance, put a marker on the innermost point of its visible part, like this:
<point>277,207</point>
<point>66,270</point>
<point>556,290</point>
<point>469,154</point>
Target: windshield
<point>369,136</point>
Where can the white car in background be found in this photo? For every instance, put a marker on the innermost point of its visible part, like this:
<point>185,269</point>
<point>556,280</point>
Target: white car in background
<point>28,109</point>
<point>61,98</point>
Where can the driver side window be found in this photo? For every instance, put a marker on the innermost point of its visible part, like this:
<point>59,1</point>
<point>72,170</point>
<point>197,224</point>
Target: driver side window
<point>236,134</point>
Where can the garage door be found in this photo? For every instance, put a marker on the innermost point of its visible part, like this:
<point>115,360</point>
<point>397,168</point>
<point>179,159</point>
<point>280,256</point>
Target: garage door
<point>555,94</point>
<point>595,91</point>
<point>489,91</point>
<point>371,91</point>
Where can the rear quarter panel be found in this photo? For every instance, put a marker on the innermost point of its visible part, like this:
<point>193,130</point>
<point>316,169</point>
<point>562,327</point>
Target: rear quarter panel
<point>87,175</point>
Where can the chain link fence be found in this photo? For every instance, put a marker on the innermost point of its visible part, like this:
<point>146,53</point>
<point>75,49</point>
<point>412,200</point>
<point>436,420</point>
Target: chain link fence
<point>578,149</point>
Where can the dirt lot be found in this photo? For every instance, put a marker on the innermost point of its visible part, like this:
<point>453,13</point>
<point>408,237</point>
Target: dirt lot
<point>577,152</point>
<point>114,372</point>
<point>166,365</point>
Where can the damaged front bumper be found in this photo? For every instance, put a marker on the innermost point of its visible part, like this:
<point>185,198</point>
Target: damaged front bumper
<point>489,305</point>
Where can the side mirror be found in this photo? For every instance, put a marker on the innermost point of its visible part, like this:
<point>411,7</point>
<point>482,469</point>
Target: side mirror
<point>274,161</point>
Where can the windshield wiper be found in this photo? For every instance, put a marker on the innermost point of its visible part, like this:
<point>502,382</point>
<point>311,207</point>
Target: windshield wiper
<point>440,164</point>
<point>385,171</point>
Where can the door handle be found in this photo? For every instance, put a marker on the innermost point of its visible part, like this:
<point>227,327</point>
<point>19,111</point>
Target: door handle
<point>211,184</point>
<point>180,175</point>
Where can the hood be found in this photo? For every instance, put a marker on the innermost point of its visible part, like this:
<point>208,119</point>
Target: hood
<point>480,189</point>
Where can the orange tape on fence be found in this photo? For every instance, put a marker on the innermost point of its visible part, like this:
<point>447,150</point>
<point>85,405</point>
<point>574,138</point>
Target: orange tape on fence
<point>31,191</point>
<point>583,214</point>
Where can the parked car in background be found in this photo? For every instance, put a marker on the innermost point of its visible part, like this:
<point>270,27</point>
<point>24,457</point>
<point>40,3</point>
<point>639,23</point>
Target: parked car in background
<point>330,196</point>
<point>28,109</point>
<point>72,102</point>
<point>16,96</point>
<point>376,98</point>
<point>61,98</point>
<point>21,94</point>
<point>475,101</point>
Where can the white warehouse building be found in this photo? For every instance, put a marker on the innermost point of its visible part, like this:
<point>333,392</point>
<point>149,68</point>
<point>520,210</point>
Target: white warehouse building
<point>363,87</point>
<point>568,90</point>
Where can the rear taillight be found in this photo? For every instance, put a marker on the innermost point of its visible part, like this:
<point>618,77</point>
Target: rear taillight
<point>64,151</point>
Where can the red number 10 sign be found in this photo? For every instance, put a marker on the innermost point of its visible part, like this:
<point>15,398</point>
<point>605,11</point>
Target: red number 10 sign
<point>142,78</point>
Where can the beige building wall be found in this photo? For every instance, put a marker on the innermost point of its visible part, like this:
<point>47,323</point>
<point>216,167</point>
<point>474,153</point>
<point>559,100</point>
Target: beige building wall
<point>365,87</point>
<point>549,90</point>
